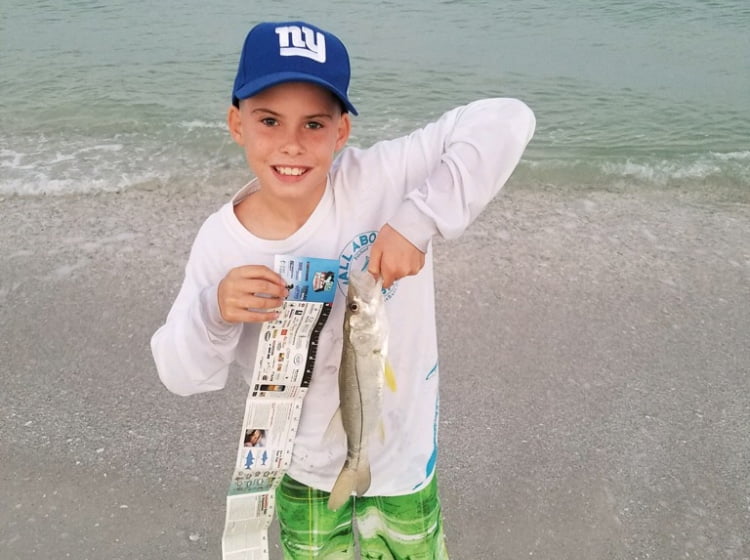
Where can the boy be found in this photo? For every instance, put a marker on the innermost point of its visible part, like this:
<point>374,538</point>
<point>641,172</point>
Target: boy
<point>375,208</point>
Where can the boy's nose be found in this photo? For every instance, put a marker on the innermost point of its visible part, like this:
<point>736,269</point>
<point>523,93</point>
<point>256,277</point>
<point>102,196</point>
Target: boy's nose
<point>292,143</point>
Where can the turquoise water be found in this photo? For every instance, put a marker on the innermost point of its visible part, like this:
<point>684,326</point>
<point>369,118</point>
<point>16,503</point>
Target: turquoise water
<point>101,96</point>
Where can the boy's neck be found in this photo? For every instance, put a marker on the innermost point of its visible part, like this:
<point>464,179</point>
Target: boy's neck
<point>273,219</point>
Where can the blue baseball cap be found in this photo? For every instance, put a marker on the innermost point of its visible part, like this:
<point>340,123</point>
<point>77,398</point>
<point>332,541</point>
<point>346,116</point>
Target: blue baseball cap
<point>295,51</point>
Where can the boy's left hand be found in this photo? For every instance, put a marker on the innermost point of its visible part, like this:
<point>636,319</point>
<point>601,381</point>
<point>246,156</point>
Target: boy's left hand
<point>393,256</point>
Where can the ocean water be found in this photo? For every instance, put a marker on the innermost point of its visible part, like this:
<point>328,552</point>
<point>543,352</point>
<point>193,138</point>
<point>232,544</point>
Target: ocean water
<point>102,96</point>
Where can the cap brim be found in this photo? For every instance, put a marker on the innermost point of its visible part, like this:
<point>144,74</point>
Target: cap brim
<point>256,86</point>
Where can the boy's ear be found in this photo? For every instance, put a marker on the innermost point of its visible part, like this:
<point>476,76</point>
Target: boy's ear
<point>345,128</point>
<point>234,122</point>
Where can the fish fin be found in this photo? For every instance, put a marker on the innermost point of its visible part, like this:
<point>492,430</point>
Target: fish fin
<point>335,430</point>
<point>343,487</point>
<point>390,376</point>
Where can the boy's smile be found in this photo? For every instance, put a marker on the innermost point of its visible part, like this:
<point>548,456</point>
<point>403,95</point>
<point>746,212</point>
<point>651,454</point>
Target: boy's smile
<point>290,170</point>
<point>290,133</point>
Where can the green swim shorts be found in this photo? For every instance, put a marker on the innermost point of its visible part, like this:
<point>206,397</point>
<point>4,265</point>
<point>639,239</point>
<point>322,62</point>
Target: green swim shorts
<point>389,528</point>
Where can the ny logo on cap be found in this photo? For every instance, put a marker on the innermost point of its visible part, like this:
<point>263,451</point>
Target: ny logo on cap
<point>313,45</point>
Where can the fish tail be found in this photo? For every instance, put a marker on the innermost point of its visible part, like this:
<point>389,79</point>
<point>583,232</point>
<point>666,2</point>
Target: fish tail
<point>348,481</point>
<point>363,477</point>
<point>342,488</point>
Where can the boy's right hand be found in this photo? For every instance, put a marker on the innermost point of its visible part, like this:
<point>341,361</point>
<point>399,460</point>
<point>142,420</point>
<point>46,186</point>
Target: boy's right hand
<point>251,294</point>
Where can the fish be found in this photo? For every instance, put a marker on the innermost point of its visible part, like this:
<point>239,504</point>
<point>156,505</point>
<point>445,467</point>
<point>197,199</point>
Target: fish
<point>363,374</point>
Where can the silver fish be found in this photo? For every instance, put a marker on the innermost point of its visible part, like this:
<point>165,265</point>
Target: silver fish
<point>361,381</point>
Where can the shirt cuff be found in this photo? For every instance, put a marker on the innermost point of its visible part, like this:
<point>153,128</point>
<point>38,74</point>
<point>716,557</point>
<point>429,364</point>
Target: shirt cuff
<point>217,328</point>
<point>412,223</point>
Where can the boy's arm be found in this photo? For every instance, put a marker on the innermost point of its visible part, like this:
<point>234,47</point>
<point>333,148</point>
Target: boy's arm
<point>454,168</point>
<point>195,346</point>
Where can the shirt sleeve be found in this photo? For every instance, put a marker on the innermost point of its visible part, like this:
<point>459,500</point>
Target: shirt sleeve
<point>451,169</point>
<point>195,346</point>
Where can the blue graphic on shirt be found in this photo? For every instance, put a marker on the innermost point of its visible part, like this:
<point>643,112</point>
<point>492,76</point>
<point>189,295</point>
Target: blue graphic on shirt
<point>264,457</point>
<point>249,460</point>
<point>356,256</point>
<point>432,461</point>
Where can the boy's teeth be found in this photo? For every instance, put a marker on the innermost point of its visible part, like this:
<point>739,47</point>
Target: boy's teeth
<point>290,170</point>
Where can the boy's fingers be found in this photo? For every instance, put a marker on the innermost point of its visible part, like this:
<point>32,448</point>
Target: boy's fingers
<point>259,272</point>
<point>373,267</point>
<point>267,288</point>
<point>390,276</point>
<point>258,280</point>
<point>248,291</point>
<point>246,307</point>
<point>378,266</point>
<point>257,302</point>
<point>246,316</point>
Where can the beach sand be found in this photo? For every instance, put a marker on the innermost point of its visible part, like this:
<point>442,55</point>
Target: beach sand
<point>595,354</point>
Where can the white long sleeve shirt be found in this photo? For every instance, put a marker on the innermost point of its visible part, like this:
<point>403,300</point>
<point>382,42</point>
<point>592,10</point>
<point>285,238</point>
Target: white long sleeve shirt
<point>434,181</point>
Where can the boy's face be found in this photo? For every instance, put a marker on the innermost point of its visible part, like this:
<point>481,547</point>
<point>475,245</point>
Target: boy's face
<point>290,133</point>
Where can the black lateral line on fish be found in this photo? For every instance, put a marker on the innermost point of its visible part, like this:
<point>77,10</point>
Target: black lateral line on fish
<point>361,413</point>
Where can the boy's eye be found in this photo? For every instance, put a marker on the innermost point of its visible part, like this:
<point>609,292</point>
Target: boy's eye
<point>269,121</point>
<point>314,125</point>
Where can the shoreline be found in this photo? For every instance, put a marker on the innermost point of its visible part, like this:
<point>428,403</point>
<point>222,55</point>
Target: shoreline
<point>224,183</point>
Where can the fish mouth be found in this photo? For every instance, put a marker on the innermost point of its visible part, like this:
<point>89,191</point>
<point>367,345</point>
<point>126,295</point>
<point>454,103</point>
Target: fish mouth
<point>365,285</point>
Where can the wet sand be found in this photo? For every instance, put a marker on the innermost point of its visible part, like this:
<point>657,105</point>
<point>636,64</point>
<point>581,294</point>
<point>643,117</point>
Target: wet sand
<point>595,361</point>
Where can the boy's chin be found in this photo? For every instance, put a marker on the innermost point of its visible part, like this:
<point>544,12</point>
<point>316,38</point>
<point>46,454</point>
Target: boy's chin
<point>293,191</point>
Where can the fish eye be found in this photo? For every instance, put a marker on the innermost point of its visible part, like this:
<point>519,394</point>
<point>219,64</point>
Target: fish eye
<point>354,307</point>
